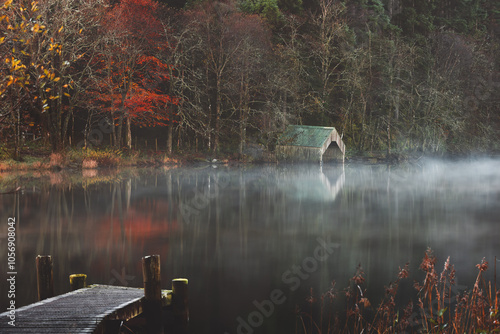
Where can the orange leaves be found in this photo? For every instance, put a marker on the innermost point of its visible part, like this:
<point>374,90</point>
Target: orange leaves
<point>53,46</point>
<point>147,107</point>
<point>35,28</point>
<point>11,80</point>
<point>132,79</point>
<point>135,21</point>
<point>15,64</point>
<point>7,4</point>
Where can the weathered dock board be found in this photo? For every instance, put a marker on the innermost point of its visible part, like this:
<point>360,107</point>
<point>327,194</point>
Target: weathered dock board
<point>88,310</point>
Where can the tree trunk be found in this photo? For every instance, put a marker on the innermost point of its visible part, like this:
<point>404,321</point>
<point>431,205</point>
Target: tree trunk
<point>66,124</point>
<point>17,148</point>
<point>169,140</point>
<point>129,133</point>
<point>218,113</point>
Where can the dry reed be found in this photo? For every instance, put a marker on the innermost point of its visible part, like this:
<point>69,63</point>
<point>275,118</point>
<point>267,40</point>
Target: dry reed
<point>438,307</point>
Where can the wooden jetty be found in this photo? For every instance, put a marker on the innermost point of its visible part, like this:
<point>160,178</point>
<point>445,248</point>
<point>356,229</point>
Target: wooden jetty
<point>105,309</point>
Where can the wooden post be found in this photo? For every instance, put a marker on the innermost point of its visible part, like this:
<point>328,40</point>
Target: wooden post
<point>77,281</point>
<point>152,294</point>
<point>180,307</point>
<point>44,277</point>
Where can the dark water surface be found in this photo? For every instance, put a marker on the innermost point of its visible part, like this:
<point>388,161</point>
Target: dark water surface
<point>252,240</point>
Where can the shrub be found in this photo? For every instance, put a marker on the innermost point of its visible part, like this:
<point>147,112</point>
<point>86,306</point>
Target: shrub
<point>57,160</point>
<point>91,158</point>
<point>89,163</point>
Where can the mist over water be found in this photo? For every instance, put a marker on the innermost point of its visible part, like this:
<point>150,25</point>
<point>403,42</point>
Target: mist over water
<point>237,233</point>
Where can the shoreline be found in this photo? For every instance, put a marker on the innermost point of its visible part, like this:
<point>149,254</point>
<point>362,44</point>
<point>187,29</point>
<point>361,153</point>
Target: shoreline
<point>113,158</point>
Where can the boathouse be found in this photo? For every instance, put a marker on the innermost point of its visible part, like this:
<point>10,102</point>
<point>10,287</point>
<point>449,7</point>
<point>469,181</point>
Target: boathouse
<point>310,143</point>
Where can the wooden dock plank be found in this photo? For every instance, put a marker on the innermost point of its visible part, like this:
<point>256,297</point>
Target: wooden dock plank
<point>80,311</point>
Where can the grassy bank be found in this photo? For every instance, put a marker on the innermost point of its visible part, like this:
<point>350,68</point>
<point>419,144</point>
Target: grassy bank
<point>35,157</point>
<point>86,159</point>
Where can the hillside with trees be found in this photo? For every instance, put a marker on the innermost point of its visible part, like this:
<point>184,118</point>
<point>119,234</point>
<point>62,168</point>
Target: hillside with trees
<point>398,76</point>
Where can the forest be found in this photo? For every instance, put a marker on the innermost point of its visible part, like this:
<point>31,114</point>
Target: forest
<point>404,76</point>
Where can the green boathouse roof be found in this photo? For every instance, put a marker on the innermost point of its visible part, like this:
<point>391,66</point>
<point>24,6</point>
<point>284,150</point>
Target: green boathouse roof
<point>305,135</point>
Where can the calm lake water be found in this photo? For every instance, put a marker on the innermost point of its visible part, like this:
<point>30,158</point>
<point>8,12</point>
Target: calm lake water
<point>247,235</point>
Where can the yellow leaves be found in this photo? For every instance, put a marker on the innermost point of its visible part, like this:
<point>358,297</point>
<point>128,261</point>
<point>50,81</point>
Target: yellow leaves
<point>50,76</point>
<point>37,28</point>
<point>66,94</point>
<point>7,4</point>
<point>55,46</point>
<point>15,64</point>
<point>2,39</point>
<point>11,80</point>
<point>60,29</point>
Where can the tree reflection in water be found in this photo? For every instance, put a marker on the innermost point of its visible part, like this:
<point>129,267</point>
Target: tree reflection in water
<point>234,231</point>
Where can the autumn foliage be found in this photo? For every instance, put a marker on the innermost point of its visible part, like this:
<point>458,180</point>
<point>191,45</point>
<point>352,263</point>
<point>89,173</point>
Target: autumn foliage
<point>131,77</point>
<point>393,76</point>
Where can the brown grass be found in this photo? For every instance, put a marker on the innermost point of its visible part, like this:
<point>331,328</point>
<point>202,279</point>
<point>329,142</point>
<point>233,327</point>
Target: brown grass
<point>57,160</point>
<point>89,163</point>
<point>438,308</point>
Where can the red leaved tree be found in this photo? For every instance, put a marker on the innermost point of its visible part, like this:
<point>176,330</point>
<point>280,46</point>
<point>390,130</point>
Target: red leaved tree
<point>131,79</point>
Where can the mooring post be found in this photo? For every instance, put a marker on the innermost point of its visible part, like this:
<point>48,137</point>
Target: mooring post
<point>77,281</point>
<point>180,305</point>
<point>152,293</point>
<point>44,277</point>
